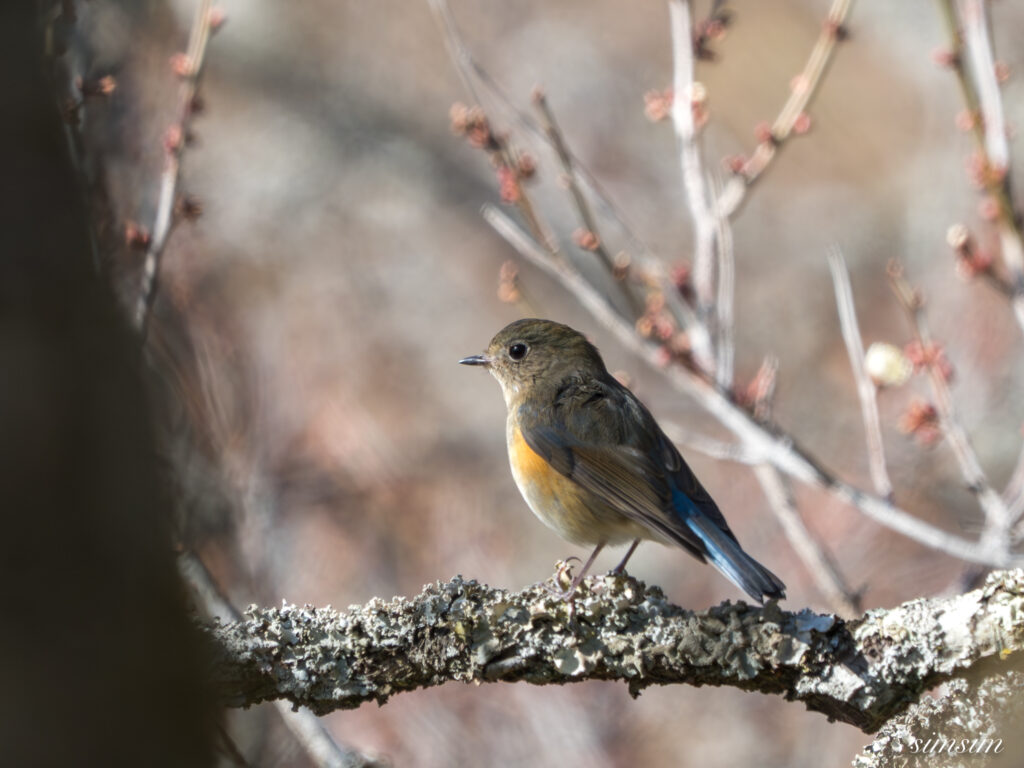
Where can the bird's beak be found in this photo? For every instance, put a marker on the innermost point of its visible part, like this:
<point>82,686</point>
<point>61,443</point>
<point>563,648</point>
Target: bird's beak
<point>475,360</point>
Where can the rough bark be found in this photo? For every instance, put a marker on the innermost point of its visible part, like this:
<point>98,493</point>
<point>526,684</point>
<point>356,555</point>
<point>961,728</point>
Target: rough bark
<point>862,672</point>
<point>977,716</point>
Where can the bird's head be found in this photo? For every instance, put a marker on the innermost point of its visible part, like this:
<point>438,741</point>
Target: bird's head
<point>529,357</point>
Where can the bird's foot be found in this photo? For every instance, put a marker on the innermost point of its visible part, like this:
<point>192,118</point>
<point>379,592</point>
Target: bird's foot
<point>565,584</point>
<point>565,594</point>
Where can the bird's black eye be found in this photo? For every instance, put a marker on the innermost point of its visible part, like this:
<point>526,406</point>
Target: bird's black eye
<point>518,351</point>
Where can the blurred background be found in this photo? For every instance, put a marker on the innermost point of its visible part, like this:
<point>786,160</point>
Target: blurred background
<point>327,448</point>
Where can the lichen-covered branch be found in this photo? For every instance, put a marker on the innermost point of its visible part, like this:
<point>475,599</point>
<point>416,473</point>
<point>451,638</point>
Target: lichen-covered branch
<point>973,717</point>
<point>861,672</point>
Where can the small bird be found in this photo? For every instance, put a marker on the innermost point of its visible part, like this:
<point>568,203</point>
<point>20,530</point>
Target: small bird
<point>593,464</point>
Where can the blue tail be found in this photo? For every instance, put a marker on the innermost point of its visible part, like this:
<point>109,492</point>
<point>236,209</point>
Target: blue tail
<point>725,553</point>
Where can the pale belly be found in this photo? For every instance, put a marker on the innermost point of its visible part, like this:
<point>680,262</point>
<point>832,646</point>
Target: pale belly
<point>571,511</point>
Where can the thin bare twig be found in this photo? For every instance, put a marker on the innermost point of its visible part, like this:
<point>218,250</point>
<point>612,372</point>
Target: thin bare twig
<point>691,163</point>
<point>709,446</point>
<point>865,387</point>
<point>802,91</point>
<point>974,15</point>
<point>725,344</point>
<point>811,552</point>
<point>456,49</point>
<point>174,144</point>
<point>760,439</point>
<point>968,25</point>
<point>61,36</point>
<point>997,517</point>
<point>557,140</point>
<point>976,39</point>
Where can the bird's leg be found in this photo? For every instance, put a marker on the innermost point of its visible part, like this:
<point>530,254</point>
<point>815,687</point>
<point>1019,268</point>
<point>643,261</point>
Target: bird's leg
<point>567,593</point>
<point>629,553</point>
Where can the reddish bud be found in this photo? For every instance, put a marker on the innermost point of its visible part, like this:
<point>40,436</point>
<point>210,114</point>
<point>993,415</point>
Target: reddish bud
<point>835,29</point>
<point>508,293</point>
<point>182,65</point>
<point>526,166</point>
<point>763,133</point>
<point>972,264</point>
<point>663,327</point>
<point>931,356</point>
<point>104,86</point>
<point>714,29</point>
<point>173,137</point>
<point>734,163</point>
<point>680,276</point>
<point>944,57</point>
<point>135,236</point>
<point>1002,71</point>
<point>216,19</point>
<point>479,135</point>
<point>508,185</point>
<point>508,283</point>
<point>188,207</point>
<point>658,104</point>
<point>802,124</point>
<point>921,420</point>
<point>970,261</point>
<point>508,289</point>
<point>471,122</point>
<point>966,120</point>
<point>586,239</point>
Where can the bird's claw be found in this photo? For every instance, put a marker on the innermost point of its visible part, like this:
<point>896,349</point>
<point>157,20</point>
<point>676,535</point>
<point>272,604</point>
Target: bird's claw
<point>561,594</point>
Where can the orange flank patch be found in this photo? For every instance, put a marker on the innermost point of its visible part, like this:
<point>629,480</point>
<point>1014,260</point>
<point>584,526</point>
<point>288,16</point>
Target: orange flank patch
<point>560,503</point>
<point>530,468</point>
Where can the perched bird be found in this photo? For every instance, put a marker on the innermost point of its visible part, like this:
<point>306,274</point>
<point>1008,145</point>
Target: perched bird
<point>593,464</point>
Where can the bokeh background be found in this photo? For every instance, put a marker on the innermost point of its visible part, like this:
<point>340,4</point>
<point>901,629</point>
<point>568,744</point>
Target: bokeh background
<point>325,444</point>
